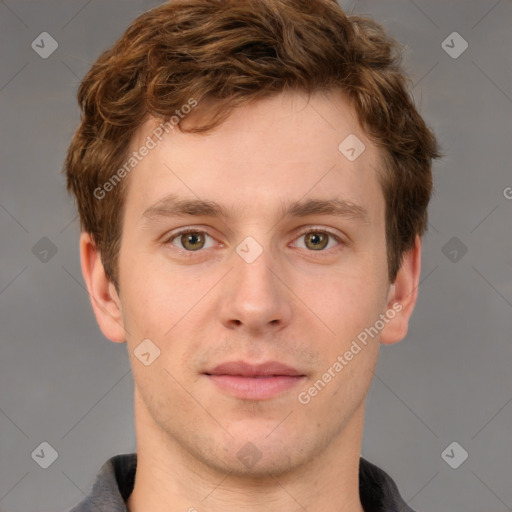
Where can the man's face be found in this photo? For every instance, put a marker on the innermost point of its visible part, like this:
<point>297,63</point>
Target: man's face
<point>256,286</point>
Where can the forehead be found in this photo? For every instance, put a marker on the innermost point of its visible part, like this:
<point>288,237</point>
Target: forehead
<point>271,151</point>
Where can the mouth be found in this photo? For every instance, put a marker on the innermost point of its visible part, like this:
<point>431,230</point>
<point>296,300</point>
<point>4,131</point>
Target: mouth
<point>254,382</point>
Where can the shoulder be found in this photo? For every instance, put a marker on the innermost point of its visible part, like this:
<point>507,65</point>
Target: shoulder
<point>378,491</point>
<point>112,486</point>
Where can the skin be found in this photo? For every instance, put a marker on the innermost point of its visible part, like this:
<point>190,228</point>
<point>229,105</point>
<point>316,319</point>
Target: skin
<point>295,303</point>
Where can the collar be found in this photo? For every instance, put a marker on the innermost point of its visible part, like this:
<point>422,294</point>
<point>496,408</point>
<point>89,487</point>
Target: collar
<point>116,478</point>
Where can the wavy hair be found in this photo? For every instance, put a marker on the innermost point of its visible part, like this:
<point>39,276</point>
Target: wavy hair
<point>226,53</point>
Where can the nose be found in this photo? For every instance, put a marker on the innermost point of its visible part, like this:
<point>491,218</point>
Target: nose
<point>254,295</point>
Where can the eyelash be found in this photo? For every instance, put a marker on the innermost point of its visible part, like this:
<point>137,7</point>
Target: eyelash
<point>313,229</point>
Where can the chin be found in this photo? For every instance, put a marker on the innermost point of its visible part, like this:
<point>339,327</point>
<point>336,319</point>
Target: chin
<point>262,451</point>
<point>257,462</point>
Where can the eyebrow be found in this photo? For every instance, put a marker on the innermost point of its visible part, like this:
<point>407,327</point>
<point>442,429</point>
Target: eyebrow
<point>174,206</point>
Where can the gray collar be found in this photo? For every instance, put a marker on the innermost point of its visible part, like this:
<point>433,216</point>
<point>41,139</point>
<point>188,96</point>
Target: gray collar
<point>115,480</point>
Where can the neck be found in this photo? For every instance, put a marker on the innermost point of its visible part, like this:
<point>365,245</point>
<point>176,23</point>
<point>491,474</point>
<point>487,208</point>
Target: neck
<point>168,477</point>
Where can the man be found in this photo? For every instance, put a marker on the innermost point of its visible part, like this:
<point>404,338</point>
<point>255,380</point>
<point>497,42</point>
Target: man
<point>252,180</point>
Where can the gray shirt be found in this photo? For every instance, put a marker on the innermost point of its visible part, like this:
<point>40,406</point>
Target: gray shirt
<point>114,484</point>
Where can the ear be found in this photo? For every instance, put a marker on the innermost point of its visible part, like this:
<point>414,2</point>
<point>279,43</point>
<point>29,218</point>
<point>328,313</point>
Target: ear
<point>104,298</point>
<point>402,296</point>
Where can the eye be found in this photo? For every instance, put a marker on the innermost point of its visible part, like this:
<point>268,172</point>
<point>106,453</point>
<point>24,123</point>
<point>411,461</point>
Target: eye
<point>319,239</point>
<point>193,240</point>
<point>190,240</point>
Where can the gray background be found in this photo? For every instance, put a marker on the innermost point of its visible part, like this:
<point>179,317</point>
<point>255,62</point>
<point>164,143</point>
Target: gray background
<point>62,382</point>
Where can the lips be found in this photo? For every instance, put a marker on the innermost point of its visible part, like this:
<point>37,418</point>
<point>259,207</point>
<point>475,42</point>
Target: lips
<point>243,369</point>
<point>254,382</point>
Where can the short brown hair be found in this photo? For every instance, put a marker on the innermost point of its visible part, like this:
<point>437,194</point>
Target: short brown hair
<point>233,52</point>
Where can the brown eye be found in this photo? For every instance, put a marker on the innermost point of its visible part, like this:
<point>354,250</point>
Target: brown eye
<point>190,240</point>
<point>316,240</point>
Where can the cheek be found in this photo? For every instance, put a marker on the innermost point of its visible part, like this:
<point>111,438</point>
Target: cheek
<point>152,295</point>
<point>349,306</point>
<point>349,300</point>
<point>168,308</point>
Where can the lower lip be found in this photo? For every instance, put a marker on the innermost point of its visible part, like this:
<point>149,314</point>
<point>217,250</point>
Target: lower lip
<point>253,388</point>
